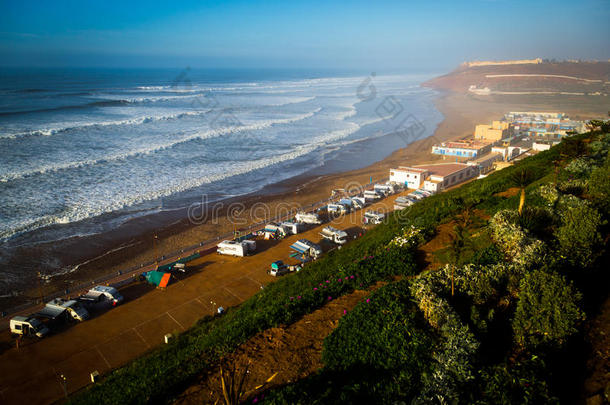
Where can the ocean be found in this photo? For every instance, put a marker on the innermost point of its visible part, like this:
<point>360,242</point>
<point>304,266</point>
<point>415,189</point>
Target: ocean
<point>84,150</point>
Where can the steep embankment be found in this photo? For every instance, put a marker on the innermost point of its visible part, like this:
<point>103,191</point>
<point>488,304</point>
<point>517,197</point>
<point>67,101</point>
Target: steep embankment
<point>563,78</point>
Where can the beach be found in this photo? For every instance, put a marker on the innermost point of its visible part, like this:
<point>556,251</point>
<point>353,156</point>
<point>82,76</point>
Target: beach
<point>142,239</point>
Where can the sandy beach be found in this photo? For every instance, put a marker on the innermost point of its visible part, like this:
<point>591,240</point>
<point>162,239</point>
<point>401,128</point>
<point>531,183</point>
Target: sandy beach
<point>141,239</point>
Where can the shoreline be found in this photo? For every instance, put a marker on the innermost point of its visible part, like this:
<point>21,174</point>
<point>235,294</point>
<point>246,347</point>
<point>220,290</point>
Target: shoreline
<point>132,243</point>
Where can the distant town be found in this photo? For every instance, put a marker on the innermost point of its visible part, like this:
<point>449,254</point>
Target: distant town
<point>493,147</point>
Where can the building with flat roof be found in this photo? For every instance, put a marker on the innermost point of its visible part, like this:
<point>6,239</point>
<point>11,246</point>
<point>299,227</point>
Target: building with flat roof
<point>496,131</point>
<point>411,177</point>
<point>466,148</point>
<point>434,177</point>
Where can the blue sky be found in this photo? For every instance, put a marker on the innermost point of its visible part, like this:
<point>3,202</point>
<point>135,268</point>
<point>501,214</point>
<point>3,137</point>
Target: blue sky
<point>294,34</point>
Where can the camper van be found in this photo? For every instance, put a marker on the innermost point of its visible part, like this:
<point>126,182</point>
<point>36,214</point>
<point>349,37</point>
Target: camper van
<point>101,295</point>
<point>292,228</point>
<point>371,195</point>
<point>383,189</point>
<point>358,202</point>
<point>336,209</point>
<point>72,308</point>
<point>402,202</point>
<point>334,235</point>
<point>308,218</point>
<point>373,217</point>
<point>28,326</point>
<point>305,247</point>
<point>235,248</point>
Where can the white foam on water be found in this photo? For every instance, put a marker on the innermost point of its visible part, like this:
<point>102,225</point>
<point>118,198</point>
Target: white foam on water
<point>148,149</point>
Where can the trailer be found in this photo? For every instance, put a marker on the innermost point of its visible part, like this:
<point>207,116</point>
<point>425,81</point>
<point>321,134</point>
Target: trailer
<point>292,228</point>
<point>235,248</point>
<point>308,218</point>
<point>373,217</point>
<point>334,235</point>
<point>307,248</point>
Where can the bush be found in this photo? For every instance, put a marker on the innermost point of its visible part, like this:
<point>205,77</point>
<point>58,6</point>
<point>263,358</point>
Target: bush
<point>547,311</point>
<point>579,238</point>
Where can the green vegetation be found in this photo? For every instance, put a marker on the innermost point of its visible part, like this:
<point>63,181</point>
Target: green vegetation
<point>548,310</point>
<point>484,329</point>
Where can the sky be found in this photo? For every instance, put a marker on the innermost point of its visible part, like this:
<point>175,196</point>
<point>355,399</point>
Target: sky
<point>294,34</point>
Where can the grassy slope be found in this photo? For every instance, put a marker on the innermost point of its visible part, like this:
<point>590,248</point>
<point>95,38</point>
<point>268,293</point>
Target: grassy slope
<point>158,375</point>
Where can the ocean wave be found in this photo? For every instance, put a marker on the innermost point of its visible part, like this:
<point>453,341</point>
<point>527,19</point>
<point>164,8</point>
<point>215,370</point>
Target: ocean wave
<point>108,205</point>
<point>129,121</point>
<point>210,133</point>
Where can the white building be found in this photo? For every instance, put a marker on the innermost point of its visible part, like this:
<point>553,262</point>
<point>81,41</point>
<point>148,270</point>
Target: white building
<point>411,177</point>
<point>434,177</point>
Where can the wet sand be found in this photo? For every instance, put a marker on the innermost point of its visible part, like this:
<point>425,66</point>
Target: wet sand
<point>134,242</point>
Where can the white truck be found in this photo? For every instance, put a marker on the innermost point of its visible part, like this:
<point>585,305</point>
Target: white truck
<point>73,309</point>
<point>235,248</point>
<point>101,295</point>
<point>334,235</point>
<point>308,218</point>
<point>28,326</point>
<point>371,195</point>
<point>373,217</point>
<point>292,228</point>
<point>305,247</point>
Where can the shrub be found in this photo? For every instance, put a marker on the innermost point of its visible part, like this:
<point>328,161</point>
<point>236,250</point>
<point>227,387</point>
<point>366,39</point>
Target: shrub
<point>519,383</point>
<point>579,237</point>
<point>547,311</point>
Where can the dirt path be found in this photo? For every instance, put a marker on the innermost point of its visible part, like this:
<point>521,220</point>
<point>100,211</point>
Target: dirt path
<point>293,352</point>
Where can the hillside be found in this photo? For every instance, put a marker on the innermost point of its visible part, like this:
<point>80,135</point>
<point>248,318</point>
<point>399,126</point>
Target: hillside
<point>499,319</point>
<point>569,78</point>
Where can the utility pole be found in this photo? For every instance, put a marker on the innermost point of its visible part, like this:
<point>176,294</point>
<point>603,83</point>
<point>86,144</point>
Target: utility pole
<point>155,251</point>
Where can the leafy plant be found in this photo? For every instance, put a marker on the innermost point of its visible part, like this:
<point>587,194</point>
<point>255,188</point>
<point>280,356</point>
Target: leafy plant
<point>548,310</point>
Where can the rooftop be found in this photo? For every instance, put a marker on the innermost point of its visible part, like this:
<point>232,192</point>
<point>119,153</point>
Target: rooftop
<point>466,144</point>
<point>443,169</point>
<point>412,169</point>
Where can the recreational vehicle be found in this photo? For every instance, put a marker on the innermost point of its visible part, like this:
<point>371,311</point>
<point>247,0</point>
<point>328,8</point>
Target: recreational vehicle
<point>308,218</point>
<point>28,326</point>
<point>235,248</point>
<point>305,247</point>
<point>371,195</point>
<point>373,217</point>
<point>334,235</point>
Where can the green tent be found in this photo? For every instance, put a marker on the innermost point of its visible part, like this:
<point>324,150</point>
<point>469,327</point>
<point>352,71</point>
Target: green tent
<point>158,278</point>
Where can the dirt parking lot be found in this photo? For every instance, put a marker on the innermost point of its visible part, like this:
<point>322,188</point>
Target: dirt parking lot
<point>31,374</point>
